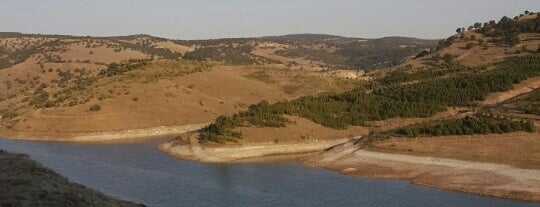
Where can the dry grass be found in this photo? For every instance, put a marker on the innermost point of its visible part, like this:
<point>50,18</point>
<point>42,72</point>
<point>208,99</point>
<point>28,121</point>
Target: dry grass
<point>479,54</point>
<point>302,82</point>
<point>164,100</point>
<point>518,149</point>
<point>299,130</point>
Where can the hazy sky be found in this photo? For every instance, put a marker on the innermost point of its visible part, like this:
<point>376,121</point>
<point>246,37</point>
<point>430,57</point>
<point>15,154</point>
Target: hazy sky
<point>201,19</point>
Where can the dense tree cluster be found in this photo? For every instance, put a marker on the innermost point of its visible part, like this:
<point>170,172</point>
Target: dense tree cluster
<point>261,115</point>
<point>507,29</point>
<point>422,99</point>
<point>379,53</point>
<point>466,126</point>
<point>529,103</point>
<point>123,67</point>
<point>463,90</point>
<point>400,75</point>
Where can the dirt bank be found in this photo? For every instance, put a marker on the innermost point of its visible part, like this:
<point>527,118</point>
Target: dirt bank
<point>192,150</point>
<point>472,177</point>
<point>105,136</point>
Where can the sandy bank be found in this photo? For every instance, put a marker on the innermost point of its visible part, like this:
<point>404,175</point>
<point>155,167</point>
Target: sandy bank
<point>196,152</point>
<point>449,174</point>
<point>109,135</point>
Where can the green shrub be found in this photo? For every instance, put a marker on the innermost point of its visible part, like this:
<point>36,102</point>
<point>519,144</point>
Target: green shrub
<point>466,126</point>
<point>123,67</point>
<point>507,30</point>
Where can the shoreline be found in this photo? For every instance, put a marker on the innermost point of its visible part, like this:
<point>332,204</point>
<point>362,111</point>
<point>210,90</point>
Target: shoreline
<point>488,179</point>
<point>342,156</point>
<point>193,151</point>
<point>118,135</point>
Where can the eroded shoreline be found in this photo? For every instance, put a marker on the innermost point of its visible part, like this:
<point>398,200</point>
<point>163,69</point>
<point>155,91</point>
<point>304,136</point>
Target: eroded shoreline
<point>196,152</point>
<point>108,135</point>
<point>344,157</point>
<point>487,179</point>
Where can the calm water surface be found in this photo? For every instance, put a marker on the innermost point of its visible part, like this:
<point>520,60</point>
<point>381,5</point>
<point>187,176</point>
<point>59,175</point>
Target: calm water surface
<point>140,173</point>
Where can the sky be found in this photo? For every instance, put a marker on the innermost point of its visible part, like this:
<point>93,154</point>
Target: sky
<point>207,19</point>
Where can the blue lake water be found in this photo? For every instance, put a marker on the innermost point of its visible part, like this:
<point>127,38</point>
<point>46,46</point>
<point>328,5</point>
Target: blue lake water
<point>140,173</point>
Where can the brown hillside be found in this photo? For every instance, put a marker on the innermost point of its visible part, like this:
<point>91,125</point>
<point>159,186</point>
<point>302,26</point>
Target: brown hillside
<point>61,89</point>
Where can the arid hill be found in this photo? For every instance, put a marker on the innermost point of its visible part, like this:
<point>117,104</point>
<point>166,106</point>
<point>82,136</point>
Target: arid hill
<point>58,86</point>
<point>311,51</point>
<point>467,100</point>
<point>466,86</point>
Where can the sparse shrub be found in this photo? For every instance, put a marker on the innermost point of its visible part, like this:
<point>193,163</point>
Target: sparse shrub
<point>102,97</point>
<point>7,114</point>
<point>95,108</point>
<point>448,58</point>
<point>72,103</point>
<point>469,46</point>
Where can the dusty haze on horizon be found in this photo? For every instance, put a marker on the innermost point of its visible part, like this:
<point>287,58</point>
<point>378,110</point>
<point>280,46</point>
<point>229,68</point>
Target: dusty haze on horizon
<point>203,19</point>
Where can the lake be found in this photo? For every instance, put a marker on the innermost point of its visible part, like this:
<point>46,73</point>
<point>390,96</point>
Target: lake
<point>138,172</point>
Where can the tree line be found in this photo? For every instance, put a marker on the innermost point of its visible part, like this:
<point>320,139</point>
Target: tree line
<point>508,29</point>
<point>355,107</point>
<point>469,125</point>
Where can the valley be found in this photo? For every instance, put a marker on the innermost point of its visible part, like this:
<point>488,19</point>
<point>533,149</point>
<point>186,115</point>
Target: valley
<point>458,114</point>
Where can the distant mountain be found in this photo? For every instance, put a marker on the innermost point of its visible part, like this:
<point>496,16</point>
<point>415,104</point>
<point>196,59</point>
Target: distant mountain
<point>306,37</point>
<point>82,75</point>
<point>331,51</point>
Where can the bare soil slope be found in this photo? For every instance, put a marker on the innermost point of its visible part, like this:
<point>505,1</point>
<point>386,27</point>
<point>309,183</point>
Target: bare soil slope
<point>466,176</point>
<point>71,86</point>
